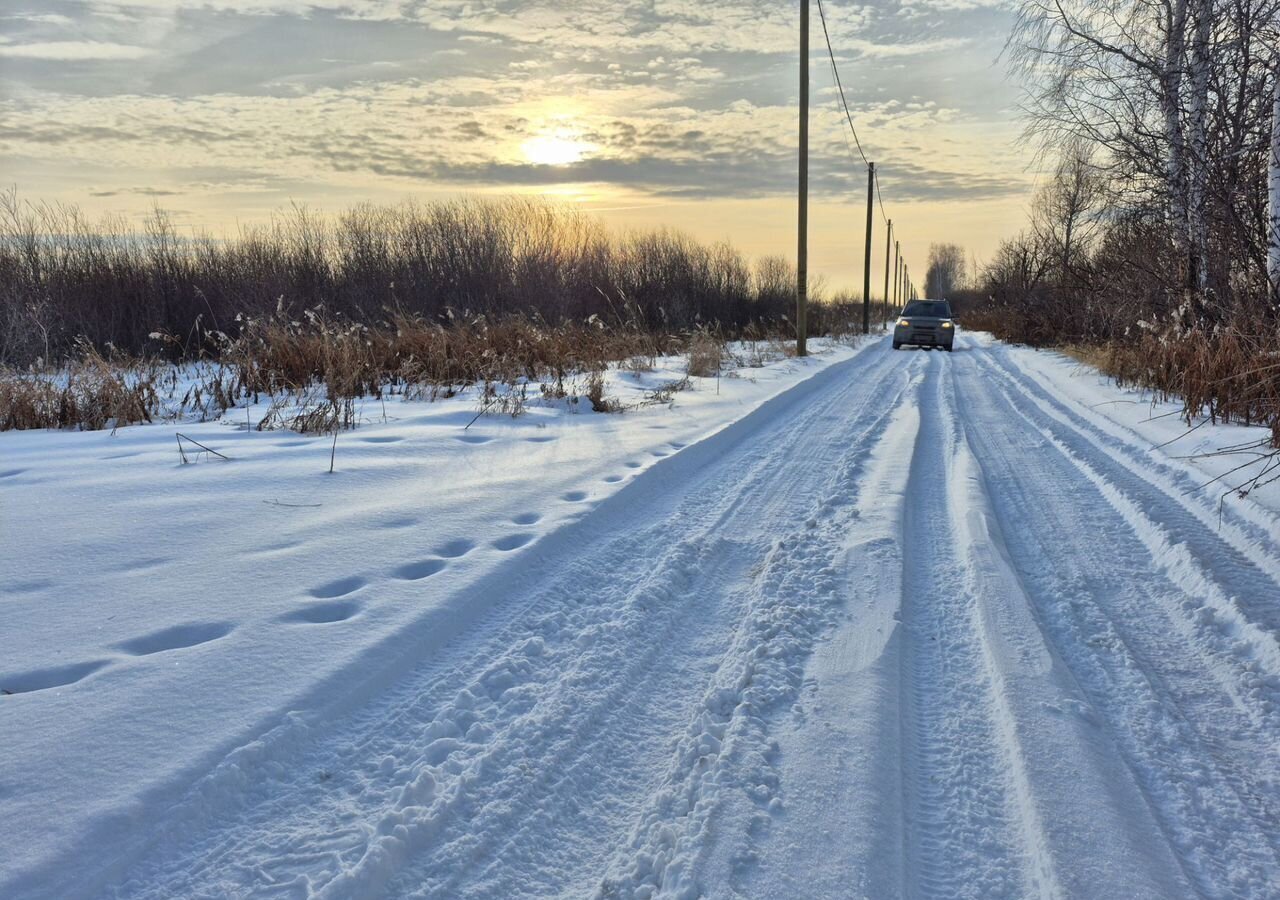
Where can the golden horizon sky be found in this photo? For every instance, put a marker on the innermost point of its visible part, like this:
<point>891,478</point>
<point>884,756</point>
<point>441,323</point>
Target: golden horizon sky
<point>649,114</point>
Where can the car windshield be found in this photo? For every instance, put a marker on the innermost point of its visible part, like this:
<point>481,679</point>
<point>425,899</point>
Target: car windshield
<point>936,309</point>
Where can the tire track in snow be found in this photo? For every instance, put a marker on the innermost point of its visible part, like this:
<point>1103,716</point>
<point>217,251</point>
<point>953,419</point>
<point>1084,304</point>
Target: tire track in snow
<point>1044,716</point>
<point>836,751</point>
<point>966,834</point>
<point>1203,760</point>
<point>722,788</point>
<point>423,786</point>
<point>1237,548</point>
<point>1220,582</point>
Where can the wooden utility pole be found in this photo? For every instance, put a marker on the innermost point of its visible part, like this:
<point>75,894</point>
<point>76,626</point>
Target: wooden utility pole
<point>866,263</point>
<point>802,240</point>
<point>888,255</point>
<point>897,272</point>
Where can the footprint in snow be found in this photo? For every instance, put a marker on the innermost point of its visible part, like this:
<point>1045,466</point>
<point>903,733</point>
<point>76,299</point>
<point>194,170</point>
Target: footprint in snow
<point>415,571</point>
<point>513,541</point>
<point>528,518</point>
<point>179,637</point>
<point>322,613</point>
<point>574,496</point>
<point>401,522</point>
<point>339,588</point>
<point>473,439</point>
<point>454,549</point>
<point>44,679</point>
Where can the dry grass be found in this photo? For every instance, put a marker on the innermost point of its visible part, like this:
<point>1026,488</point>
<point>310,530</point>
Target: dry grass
<point>1227,375</point>
<point>94,393</point>
<point>63,277</point>
<point>313,368</point>
<point>706,354</point>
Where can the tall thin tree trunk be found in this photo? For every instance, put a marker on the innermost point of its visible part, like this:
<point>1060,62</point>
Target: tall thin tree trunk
<point>1171,108</point>
<point>1273,171</point>
<point>1198,163</point>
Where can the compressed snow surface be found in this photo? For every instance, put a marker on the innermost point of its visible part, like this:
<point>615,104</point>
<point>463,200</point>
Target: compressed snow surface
<point>876,624</point>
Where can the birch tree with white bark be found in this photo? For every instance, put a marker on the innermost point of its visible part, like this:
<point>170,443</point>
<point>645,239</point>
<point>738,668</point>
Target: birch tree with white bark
<point>1177,97</point>
<point>1273,180</point>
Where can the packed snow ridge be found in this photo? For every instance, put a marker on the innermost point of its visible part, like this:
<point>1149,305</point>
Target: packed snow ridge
<point>872,624</point>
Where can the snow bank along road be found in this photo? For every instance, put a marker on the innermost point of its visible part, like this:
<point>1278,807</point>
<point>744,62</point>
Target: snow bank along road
<point>917,627</point>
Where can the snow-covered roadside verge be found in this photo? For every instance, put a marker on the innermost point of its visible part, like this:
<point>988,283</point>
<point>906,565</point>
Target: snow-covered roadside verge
<point>1150,423</point>
<point>158,617</point>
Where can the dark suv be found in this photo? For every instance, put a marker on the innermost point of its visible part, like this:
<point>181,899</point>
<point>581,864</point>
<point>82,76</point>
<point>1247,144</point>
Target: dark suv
<point>925,323</point>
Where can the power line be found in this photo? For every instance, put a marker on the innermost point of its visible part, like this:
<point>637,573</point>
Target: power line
<point>848,115</point>
<point>835,71</point>
<point>880,197</point>
<point>840,87</point>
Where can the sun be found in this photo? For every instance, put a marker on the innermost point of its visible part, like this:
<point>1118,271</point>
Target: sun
<point>554,150</point>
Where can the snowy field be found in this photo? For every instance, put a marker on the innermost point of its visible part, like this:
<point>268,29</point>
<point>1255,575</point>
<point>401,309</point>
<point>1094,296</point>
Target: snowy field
<point>872,624</point>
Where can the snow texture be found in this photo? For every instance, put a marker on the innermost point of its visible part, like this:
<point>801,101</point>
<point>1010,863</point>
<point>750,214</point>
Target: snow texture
<point>876,624</point>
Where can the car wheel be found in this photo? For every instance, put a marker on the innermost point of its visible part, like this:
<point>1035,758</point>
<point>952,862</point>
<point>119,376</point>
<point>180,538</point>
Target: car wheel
<point>897,345</point>
<point>946,347</point>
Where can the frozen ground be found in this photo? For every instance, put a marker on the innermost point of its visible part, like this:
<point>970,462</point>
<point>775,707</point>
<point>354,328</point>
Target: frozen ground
<point>922,624</point>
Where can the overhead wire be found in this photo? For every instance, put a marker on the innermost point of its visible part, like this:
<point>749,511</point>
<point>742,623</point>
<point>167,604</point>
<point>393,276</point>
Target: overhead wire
<point>822,15</point>
<point>844,103</point>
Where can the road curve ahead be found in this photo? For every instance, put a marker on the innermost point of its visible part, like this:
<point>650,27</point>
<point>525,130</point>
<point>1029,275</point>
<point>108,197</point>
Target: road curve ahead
<point>916,628</point>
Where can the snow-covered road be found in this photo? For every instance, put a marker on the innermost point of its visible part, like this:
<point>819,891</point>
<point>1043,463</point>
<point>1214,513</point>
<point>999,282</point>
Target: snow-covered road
<point>916,627</point>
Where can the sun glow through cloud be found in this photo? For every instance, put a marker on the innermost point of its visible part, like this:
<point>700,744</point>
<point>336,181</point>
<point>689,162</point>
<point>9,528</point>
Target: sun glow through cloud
<point>554,150</point>
<point>673,114</point>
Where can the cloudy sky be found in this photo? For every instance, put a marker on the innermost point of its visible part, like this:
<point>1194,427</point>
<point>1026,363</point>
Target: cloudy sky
<point>652,112</point>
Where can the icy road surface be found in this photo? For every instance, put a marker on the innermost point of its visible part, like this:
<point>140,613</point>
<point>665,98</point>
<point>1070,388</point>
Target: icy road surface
<point>919,626</point>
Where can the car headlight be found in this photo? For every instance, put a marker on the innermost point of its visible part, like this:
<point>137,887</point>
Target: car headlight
<point>946,324</point>
<point>904,323</point>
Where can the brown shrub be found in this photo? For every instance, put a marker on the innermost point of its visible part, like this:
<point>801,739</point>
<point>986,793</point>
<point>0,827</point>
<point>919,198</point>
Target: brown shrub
<point>706,354</point>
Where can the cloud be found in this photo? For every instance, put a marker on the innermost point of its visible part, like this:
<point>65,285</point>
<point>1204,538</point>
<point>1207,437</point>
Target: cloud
<point>75,51</point>
<point>40,19</point>
<point>141,191</point>
<point>886,50</point>
<point>414,132</point>
<point>674,98</point>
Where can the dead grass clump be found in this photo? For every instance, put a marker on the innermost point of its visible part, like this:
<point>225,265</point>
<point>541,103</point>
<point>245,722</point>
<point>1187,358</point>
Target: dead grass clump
<point>94,393</point>
<point>1226,375</point>
<point>706,354</point>
<point>510,399</point>
<point>595,395</point>
<point>664,394</point>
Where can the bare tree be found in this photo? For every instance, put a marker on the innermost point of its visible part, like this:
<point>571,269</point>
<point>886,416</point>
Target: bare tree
<point>1175,97</point>
<point>1273,173</point>
<point>946,270</point>
<point>1068,210</point>
<point>1113,75</point>
<point>1199,65</point>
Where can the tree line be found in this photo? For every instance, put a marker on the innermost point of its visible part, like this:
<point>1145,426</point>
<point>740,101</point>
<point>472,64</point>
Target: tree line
<point>68,282</point>
<point>1156,236</point>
